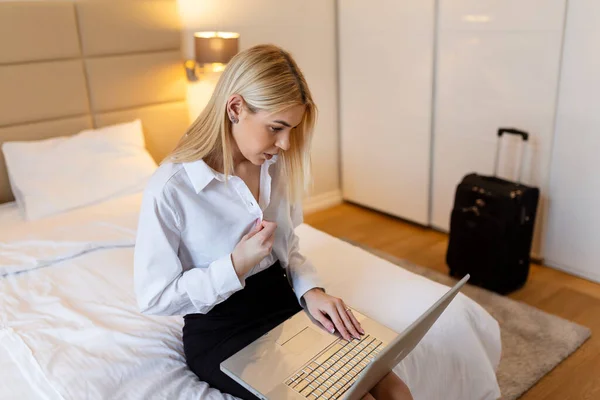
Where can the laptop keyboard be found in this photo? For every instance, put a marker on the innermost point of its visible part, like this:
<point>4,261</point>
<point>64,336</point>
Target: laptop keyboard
<point>329,375</point>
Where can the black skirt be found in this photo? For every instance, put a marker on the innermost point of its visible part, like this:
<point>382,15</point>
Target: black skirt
<point>266,301</point>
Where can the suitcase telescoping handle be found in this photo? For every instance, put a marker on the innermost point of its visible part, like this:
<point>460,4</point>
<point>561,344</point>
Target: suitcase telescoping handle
<point>511,131</point>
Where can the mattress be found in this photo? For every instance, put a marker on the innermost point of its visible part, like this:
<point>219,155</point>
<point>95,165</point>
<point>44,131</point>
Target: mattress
<point>70,327</point>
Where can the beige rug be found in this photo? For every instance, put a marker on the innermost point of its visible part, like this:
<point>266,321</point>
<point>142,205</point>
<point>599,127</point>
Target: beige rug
<point>533,342</point>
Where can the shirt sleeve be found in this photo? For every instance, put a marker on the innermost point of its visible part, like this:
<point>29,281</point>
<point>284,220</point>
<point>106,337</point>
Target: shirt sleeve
<point>161,285</point>
<point>302,272</point>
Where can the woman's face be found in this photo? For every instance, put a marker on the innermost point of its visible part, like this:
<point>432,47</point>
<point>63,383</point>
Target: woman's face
<point>261,135</point>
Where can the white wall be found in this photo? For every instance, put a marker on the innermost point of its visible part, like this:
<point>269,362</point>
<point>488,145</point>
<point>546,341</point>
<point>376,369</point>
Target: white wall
<point>497,65</point>
<point>306,28</point>
<point>574,209</point>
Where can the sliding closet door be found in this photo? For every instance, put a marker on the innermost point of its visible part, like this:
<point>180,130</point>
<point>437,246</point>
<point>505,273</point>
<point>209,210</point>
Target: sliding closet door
<point>497,65</point>
<point>573,238</point>
<point>385,67</point>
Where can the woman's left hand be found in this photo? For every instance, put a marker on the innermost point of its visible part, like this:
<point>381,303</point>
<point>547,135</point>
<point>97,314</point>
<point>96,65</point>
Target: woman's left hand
<point>327,309</point>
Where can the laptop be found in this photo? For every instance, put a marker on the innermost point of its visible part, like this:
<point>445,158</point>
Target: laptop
<point>301,360</point>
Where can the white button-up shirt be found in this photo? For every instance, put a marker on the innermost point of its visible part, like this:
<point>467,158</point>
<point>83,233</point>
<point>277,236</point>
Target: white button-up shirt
<point>190,222</point>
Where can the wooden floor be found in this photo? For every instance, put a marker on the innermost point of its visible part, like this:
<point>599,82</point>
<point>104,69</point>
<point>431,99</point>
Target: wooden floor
<point>572,298</point>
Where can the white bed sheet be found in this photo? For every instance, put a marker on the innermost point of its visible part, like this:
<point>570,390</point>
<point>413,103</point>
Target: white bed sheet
<point>71,329</point>
<point>26,245</point>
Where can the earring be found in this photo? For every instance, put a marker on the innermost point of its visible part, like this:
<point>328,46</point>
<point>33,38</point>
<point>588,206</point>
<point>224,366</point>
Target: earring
<point>233,119</point>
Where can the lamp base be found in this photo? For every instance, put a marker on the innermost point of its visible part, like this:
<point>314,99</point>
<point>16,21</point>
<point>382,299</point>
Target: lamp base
<point>193,70</point>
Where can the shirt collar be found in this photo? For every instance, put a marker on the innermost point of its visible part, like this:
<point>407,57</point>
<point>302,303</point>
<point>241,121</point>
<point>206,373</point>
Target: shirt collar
<point>201,174</point>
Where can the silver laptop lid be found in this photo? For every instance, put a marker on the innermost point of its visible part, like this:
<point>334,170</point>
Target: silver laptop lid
<point>400,347</point>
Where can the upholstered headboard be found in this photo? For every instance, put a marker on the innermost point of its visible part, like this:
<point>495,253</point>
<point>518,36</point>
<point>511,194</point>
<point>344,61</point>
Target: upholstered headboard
<point>71,65</point>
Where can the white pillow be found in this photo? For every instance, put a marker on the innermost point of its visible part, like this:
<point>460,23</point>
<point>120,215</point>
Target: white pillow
<point>55,175</point>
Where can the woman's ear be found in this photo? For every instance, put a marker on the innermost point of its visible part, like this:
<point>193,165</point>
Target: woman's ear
<point>234,107</point>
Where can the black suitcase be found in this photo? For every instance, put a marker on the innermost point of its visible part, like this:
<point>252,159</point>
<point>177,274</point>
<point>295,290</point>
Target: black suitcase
<point>491,228</point>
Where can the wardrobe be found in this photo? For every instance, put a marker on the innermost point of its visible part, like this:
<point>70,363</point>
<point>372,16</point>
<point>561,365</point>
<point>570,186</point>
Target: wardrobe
<point>425,84</point>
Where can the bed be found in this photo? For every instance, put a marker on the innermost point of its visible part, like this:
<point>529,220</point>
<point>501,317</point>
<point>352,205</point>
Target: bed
<point>72,329</point>
<point>69,324</point>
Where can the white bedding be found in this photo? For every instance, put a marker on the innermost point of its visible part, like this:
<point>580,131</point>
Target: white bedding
<point>70,329</point>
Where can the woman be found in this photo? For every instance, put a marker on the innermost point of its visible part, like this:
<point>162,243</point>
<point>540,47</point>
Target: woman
<point>216,238</point>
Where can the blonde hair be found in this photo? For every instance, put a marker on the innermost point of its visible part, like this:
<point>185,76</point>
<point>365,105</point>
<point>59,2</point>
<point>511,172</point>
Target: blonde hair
<point>268,79</point>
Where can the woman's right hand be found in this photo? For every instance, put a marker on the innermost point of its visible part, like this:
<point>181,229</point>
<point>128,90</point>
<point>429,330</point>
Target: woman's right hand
<point>253,247</point>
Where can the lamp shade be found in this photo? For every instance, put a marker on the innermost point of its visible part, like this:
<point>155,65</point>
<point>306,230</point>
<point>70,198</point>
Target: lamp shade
<point>215,47</point>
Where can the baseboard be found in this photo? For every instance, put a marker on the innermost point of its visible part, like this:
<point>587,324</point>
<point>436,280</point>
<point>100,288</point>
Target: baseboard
<point>590,276</point>
<point>321,201</point>
<point>537,258</point>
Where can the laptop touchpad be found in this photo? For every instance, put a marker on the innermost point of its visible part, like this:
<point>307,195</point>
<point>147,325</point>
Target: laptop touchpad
<point>288,330</point>
<point>302,340</point>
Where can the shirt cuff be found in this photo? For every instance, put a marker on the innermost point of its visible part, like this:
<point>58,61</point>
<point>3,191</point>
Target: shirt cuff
<point>304,282</point>
<point>225,276</point>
